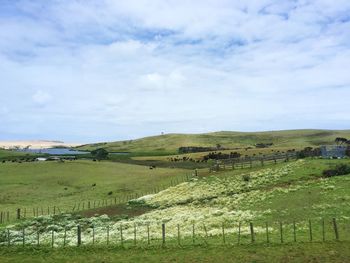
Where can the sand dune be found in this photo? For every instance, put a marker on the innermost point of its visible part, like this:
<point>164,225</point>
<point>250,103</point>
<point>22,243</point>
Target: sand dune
<point>35,144</point>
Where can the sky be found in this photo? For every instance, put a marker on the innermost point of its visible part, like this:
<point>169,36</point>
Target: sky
<point>104,70</point>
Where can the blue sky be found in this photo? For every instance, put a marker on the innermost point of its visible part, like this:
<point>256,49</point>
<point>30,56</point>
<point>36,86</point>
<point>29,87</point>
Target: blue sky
<point>82,71</point>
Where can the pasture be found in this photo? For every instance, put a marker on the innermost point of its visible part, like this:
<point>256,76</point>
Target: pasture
<point>337,252</point>
<point>42,184</point>
<point>211,212</point>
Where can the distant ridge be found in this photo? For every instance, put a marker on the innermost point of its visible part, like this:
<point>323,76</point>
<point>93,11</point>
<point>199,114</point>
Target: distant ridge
<point>229,139</point>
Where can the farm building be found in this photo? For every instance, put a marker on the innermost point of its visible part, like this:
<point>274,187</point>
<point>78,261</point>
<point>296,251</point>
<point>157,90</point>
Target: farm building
<point>333,151</point>
<point>40,159</point>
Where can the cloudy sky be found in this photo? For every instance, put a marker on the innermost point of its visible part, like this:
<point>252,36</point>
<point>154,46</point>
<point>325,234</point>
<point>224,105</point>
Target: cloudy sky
<point>99,70</point>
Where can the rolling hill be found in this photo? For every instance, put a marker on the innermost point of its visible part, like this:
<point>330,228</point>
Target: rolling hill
<point>169,143</point>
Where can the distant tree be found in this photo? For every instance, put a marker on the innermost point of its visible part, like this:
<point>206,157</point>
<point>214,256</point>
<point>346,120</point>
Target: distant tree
<point>218,146</point>
<point>347,152</point>
<point>99,154</point>
<point>341,140</point>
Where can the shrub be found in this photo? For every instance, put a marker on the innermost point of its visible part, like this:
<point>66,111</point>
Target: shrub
<point>246,177</point>
<point>99,154</point>
<point>308,152</point>
<point>347,152</point>
<point>341,169</point>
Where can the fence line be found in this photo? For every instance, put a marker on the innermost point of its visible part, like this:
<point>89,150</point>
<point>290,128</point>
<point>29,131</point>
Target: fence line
<point>184,235</point>
<point>8,216</point>
<point>251,161</point>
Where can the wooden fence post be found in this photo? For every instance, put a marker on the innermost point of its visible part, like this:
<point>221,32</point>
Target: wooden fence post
<point>163,234</point>
<point>148,236</point>
<point>178,234</point>
<point>23,237</point>
<point>79,235</point>
<point>335,229</point>
<point>267,233</point>
<point>121,235</point>
<point>323,231</point>
<point>223,234</point>
<point>134,234</point>
<point>52,238</point>
<point>252,232</point>
<point>193,234</point>
<point>206,234</point>
<point>281,231</point>
<point>310,230</point>
<point>8,237</point>
<point>18,213</point>
<point>38,238</point>
<point>239,233</point>
<point>107,235</point>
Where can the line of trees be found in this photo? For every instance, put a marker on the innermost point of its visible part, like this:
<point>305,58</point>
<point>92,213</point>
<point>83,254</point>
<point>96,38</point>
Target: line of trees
<point>345,142</point>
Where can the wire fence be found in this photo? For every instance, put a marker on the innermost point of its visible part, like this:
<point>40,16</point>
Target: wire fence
<point>163,234</point>
<point>13,215</point>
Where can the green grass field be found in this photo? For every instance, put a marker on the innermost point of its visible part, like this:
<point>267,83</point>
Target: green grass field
<point>288,253</point>
<point>6,154</point>
<point>42,184</point>
<point>169,143</point>
<point>279,194</point>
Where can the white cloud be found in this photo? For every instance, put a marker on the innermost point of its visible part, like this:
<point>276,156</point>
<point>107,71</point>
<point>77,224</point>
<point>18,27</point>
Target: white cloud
<point>117,69</point>
<point>41,97</point>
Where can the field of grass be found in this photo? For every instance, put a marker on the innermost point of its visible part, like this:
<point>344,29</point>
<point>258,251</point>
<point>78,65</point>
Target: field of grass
<point>278,194</point>
<point>42,184</point>
<point>288,253</point>
<point>169,143</point>
<point>199,155</point>
<point>285,192</point>
<point>7,154</point>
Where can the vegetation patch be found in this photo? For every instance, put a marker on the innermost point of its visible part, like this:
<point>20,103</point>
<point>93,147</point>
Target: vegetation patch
<point>341,169</point>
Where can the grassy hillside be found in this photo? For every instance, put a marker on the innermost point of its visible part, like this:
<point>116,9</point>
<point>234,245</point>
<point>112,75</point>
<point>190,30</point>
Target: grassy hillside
<point>284,193</point>
<point>42,184</point>
<point>169,143</point>
<point>6,154</point>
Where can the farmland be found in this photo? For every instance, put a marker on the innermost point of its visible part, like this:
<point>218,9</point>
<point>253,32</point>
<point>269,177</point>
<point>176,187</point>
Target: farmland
<point>286,205</point>
<point>42,184</point>
<point>287,192</point>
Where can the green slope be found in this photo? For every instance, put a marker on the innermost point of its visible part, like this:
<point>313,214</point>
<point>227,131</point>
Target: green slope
<point>7,154</point>
<point>169,143</point>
